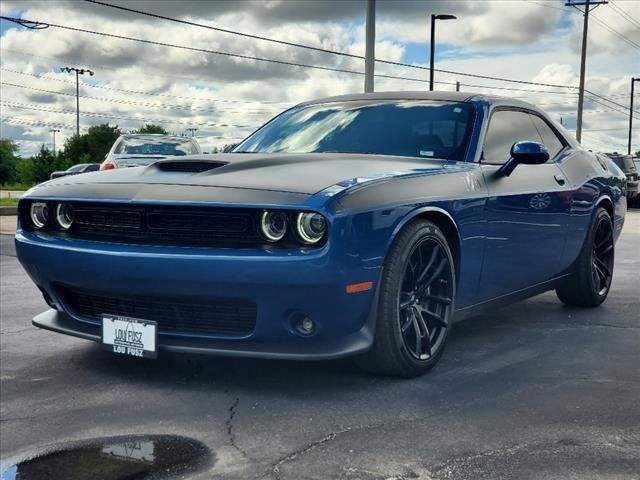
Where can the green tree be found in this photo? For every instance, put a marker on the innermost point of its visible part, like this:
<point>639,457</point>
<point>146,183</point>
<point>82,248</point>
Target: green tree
<point>38,168</point>
<point>92,146</point>
<point>8,160</point>
<point>151,128</point>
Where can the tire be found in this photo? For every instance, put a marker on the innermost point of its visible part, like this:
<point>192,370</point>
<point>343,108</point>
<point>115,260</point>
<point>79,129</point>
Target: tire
<point>415,304</point>
<point>590,283</point>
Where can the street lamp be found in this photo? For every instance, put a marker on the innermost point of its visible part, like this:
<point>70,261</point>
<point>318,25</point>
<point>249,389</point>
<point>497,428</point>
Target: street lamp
<point>54,131</point>
<point>78,71</point>
<point>433,43</point>
<point>633,80</point>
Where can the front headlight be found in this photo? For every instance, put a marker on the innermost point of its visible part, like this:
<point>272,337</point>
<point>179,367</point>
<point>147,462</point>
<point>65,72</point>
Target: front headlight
<point>65,214</point>
<point>273,225</point>
<point>310,227</point>
<point>39,214</point>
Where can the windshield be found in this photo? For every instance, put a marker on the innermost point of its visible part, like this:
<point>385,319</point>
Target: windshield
<point>155,146</point>
<point>406,128</point>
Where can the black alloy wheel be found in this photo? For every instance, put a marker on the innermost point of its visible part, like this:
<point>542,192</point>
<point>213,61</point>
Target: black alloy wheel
<point>602,257</point>
<point>416,299</point>
<point>424,299</point>
<point>590,282</point>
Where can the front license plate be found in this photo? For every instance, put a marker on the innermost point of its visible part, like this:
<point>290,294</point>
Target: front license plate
<point>130,336</point>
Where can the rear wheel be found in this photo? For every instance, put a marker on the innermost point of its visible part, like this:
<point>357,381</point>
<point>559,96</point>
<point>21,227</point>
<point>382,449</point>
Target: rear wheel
<point>417,292</point>
<point>590,284</point>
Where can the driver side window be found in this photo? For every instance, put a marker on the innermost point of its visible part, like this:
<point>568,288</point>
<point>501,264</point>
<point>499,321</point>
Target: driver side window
<point>505,128</point>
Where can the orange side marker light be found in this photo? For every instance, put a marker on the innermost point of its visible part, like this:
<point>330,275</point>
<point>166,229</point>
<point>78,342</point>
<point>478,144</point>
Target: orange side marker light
<point>359,287</point>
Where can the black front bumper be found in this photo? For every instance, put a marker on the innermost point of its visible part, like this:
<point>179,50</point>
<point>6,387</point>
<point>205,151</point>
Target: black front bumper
<point>360,341</point>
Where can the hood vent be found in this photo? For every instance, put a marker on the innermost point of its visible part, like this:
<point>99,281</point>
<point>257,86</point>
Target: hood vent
<point>189,166</point>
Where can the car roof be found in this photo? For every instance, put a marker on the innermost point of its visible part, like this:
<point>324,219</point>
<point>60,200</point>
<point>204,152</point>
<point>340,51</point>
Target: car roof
<point>419,95</point>
<point>152,135</point>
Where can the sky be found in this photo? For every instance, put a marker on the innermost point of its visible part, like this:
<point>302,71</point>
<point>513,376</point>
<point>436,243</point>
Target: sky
<point>226,97</point>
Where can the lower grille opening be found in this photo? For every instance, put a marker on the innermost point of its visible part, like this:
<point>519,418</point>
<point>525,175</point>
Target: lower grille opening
<point>218,317</point>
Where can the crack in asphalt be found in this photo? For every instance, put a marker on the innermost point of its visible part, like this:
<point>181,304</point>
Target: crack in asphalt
<point>275,467</point>
<point>16,419</point>
<point>610,325</point>
<point>17,331</point>
<point>447,469</point>
<point>233,409</point>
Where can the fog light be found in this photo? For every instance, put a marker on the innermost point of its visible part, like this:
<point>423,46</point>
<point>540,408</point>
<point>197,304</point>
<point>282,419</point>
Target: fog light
<point>305,326</point>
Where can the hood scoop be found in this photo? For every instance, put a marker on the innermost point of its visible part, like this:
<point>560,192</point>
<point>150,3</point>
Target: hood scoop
<point>188,166</point>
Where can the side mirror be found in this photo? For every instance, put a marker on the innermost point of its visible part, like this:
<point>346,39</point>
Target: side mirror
<point>528,153</point>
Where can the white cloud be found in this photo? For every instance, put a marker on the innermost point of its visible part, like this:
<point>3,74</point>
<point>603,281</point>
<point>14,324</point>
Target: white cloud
<point>514,39</point>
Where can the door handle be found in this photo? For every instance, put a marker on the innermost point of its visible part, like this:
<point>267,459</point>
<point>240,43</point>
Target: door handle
<point>559,179</point>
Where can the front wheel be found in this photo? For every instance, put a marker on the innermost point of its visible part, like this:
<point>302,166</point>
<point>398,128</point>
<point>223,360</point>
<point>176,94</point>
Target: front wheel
<point>415,305</point>
<point>589,285</point>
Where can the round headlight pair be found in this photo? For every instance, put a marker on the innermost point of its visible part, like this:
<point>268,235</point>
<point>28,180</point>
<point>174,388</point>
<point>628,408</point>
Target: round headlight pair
<point>39,215</point>
<point>310,227</point>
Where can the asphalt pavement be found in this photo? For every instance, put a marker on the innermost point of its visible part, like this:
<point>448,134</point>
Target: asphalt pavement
<point>532,391</point>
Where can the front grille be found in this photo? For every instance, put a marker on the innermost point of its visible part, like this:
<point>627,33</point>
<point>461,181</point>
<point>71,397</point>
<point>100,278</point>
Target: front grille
<point>218,317</point>
<point>171,225</point>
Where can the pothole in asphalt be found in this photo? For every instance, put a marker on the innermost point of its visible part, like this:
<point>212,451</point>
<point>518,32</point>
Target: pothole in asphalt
<point>114,458</point>
<point>563,460</point>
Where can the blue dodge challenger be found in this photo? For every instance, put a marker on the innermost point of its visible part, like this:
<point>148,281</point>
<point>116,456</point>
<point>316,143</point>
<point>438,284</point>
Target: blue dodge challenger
<point>357,225</point>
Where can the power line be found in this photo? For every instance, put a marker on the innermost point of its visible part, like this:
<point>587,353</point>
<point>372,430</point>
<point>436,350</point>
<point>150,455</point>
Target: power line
<point>40,77</point>
<point>451,72</point>
<point>602,97</point>
<point>622,112</point>
<point>624,14</point>
<point>114,100</point>
<point>294,44</point>
<point>142,72</point>
<point>295,64</point>
<point>606,129</point>
<point>610,29</point>
<point>227,54</point>
<point>299,64</point>
<point>120,117</point>
<point>225,30</point>
<point>194,49</point>
<point>187,108</point>
<point>26,122</point>
<point>516,89</point>
<point>133,102</point>
<point>597,20</point>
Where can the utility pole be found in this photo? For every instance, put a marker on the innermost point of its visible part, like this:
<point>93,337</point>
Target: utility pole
<point>192,130</point>
<point>78,72</point>
<point>633,80</point>
<point>457,86</point>
<point>588,6</point>
<point>370,44</point>
<point>54,131</point>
